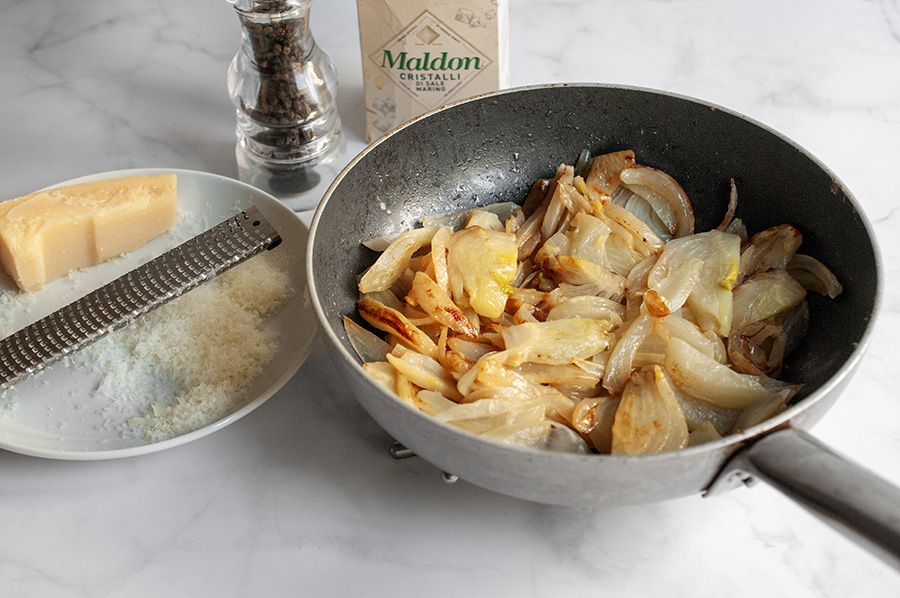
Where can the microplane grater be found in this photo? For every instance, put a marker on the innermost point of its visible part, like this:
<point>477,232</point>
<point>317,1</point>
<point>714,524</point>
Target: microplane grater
<point>148,286</point>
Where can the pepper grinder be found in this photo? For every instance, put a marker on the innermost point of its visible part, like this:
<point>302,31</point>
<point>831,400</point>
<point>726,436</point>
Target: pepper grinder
<point>283,87</point>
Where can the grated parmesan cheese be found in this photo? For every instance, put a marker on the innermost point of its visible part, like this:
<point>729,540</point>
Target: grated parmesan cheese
<point>183,366</point>
<point>196,355</point>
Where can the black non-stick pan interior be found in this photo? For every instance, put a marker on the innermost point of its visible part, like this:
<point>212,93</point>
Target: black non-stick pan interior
<point>477,153</point>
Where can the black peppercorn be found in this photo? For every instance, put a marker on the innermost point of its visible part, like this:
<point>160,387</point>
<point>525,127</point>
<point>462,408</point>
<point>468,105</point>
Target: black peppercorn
<point>276,48</point>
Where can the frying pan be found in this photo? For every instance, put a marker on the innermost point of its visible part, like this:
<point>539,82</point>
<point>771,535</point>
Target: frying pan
<point>492,148</point>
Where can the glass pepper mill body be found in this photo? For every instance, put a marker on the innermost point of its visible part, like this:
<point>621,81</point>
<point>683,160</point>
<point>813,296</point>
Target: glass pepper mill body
<point>283,87</point>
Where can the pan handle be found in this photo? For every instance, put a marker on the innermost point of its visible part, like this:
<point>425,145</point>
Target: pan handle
<point>855,501</point>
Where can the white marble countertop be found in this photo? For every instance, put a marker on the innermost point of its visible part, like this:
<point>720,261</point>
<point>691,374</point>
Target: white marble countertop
<point>300,498</point>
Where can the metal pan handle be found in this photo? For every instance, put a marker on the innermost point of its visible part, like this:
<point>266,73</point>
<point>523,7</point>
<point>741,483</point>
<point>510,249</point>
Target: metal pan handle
<point>855,501</point>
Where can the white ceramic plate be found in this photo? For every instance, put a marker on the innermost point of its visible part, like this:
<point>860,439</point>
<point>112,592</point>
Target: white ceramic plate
<point>58,414</point>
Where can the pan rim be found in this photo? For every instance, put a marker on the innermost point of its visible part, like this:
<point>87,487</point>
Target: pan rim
<point>730,443</point>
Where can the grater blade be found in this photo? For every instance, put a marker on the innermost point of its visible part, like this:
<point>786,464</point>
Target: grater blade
<point>128,297</point>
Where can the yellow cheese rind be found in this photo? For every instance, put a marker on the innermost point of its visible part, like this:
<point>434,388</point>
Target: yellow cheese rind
<point>47,234</point>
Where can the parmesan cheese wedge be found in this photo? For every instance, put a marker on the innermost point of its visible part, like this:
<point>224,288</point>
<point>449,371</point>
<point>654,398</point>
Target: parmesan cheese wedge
<point>47,234</point>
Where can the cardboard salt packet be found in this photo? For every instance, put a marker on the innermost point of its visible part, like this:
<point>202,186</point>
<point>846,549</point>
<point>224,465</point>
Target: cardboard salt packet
<point>421,54</point>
